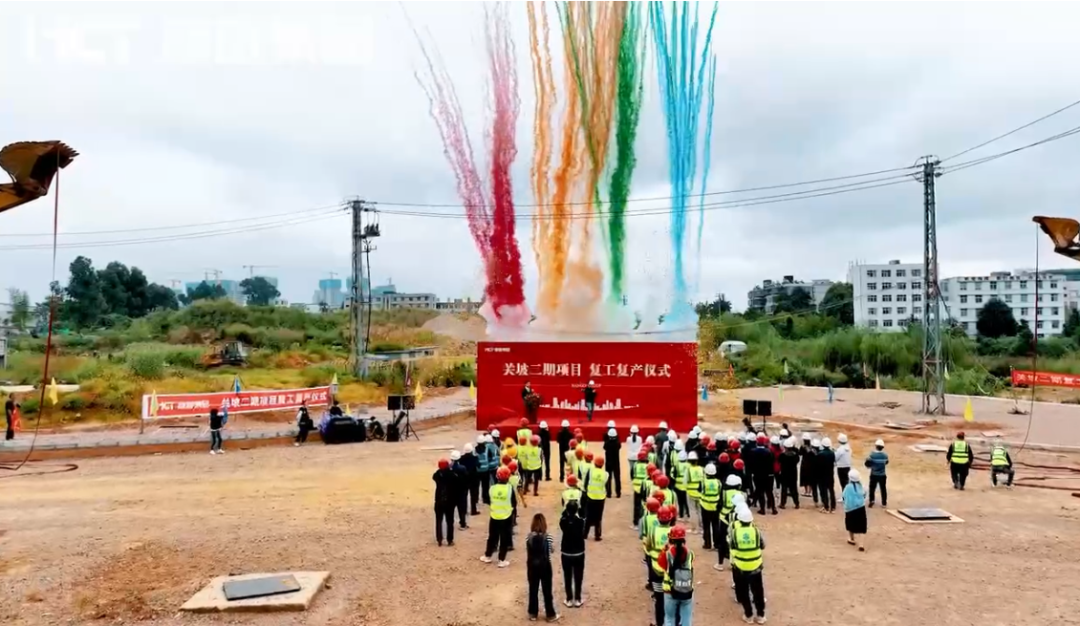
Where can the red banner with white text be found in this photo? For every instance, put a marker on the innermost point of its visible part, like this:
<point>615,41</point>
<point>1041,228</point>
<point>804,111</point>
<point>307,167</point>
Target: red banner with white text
<point>199,404</point>
<point>1027,378</point>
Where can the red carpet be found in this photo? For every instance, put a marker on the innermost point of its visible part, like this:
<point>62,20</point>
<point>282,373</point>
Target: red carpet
<point>596,429</point>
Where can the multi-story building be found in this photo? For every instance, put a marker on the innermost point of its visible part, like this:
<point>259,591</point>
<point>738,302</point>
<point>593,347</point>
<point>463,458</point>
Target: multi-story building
<point>458,305</point>
<point>964,296</point>
<point>329,294</point>
<point>886,296</point>
<point>763,297</point>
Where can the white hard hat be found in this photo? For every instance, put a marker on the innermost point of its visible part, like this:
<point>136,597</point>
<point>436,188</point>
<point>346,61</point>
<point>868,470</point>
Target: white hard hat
<point>789,443</point>
<point>692,456</point>
<point>468,447</point>
<point>806,437</point>
<point>774,440</point>
<point>650,439</point>
<point>663,425</point>
<point>611,424</point>
<point>696,429</point>
<point>591,383</point>
<point>634,428</point>
<point>495,434</point>
<point>543,425</point>
<point>488,439</point>
<point>678,445</point>
<point>879,443</point>
<point>842,438</point>
<point>682,455</point>
<point>692,435</point>
<point>854,476</point>
<point>733,480</point>
<point>480,438</point>
<point>718,436</point>
<point>566,423</point>
<point>738,498</point>
<point>611,432</point>
<point>672,435</point>
<point>710,470</point>
<point>826,443</point>
<point>784,432</point>
<point>816,443</point>
<point>455,455</point>
<point>744,515</point>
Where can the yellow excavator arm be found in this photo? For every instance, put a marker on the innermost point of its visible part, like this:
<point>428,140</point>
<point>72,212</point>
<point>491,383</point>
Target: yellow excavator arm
<point>1063,232</point>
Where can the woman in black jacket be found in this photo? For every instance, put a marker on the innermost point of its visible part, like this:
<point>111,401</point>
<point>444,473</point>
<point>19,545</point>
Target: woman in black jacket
<point>573,552</point>
<point>539,546</point>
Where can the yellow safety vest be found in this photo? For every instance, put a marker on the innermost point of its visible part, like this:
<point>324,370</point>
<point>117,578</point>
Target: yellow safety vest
<point>710,494</point>
<point>597,484</point>
<point>571,461</point>
<point>746,553</point>
<point>647,487</point>
<point>571,494</point>
<point>582,470</point>
<point>960,452</point>
<point>641,472</point>
<point>650,458</point>
<point>689,565</point>
<point>693,488</point>
<point>669,497</point>
<point>532,459</point>
<point>501,507</point>
<point>729,505</point>
<point>647,524</point>
<point>526,433</point>
<point>515,480</point>
<point>999,458</point>
<point>682,475</point>
<point>658,541</point>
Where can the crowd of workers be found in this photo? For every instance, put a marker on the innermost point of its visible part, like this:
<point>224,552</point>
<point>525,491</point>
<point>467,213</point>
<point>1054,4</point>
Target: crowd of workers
<point>701,485</point>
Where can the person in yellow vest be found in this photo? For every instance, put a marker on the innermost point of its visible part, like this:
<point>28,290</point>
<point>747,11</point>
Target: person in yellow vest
<point>503,503</point>
<point>696,475</point>
<point>648,522</point>
<point>639,471</point>
<point>515,484</point>
<point>730,497</point>
<point>647,485</point>
<point>682,480</point>
<point>571,493</point>
<point>571,459</point>
<point>960,457</point>
<point>596,494</point>
<point>524,430</point>
<point>747,558</point>
<point>534,464</point>
<point>585,462</point>
<point>677,561</point>
<point>710,507</point>
<point>1000,463</point>
<point>650,447</point>
<point>655,543</point>
<point>662,486</point>
<point>580,437</point>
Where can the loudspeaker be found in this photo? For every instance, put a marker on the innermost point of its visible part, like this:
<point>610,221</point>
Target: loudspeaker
<point>764,408</point>
<point>393,403</point>
<point>408,403</point>
<point>749,407</point>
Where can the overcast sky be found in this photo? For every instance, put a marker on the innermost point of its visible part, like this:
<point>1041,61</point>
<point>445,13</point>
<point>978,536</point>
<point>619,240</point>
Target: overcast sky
<point>195,113</point>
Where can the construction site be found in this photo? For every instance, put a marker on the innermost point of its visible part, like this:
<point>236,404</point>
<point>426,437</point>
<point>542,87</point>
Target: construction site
<point>131,539</point>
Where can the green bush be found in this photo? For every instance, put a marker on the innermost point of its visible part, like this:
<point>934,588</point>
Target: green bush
<point>29,406</point>
<point>72,402</point>
<point>148,365</point>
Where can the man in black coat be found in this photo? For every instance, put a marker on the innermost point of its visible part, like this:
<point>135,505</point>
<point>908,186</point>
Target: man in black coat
<point>590,400</point>
<point>445,501</point>
<point>564,438</point>
<point>471,464</point>
<point>612,450</point>
<point>545,449</point>
<point>761,468</point>
<point>461,487</point>
<point>789,474</point>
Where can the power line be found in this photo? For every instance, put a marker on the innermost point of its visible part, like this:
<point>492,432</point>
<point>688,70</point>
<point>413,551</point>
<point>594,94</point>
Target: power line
<point>1013,131</point>
<point>974,162</point>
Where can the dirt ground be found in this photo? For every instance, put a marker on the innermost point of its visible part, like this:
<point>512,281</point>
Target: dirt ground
<point>130,539</point>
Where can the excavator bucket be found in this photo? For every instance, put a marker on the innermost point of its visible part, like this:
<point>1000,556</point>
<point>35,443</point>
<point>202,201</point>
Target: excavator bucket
<point>32,165</point>
<point>1063,232</point>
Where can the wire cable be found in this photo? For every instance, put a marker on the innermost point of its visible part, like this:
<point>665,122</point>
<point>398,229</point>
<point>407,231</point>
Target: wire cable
<point>1011,132</point>
<point>974,162</point>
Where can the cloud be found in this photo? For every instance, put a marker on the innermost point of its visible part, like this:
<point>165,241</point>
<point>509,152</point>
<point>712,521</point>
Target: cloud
<point>204,112</point>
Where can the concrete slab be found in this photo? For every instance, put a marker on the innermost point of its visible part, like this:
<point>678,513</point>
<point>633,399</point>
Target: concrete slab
<point>211,598</point>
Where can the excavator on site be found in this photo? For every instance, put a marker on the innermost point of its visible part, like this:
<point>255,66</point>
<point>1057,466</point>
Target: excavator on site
<point>1063,231</point>
<point>232,353</point>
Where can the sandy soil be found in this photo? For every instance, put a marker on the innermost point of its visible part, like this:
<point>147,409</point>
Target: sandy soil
<point>130,539</point>
<point>459,327</point>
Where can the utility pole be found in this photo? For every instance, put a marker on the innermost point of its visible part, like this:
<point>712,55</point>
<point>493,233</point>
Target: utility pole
<point>933,401</point>
<point>365,226</point>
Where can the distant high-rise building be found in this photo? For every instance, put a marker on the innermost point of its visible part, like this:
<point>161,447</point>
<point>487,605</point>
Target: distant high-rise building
<point>886,296</point>
<point>763,298</point>
<point>329,293</point>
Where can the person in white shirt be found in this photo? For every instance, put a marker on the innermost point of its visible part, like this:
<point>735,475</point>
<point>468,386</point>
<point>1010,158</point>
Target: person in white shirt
<point>633,446</point>
<point>843,460</point>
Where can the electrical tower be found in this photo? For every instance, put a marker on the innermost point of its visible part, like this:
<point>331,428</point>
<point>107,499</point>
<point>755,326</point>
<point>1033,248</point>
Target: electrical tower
<point>933,401</point>
<point>365,227</point>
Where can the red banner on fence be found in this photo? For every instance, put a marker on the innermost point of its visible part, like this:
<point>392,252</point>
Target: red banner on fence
<point>633,380</point>
<point>199,404</point>
<point>1028,378</point>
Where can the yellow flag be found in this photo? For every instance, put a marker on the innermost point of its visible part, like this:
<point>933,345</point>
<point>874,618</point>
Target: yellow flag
<point>418,393</point>
<point>877,382</point>
<point>472,390</point>
<point>153,403</point>
<point>54,393</point>
<point>969,412</point>
<point>334,382</point>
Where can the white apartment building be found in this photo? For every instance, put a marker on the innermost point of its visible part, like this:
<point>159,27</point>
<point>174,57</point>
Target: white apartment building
<point>763,297</point>
<point>886,296</point>
<point>964,296</point>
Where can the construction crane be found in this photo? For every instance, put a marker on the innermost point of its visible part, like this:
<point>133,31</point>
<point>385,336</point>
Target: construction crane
<point>251,269</point>
<point>215,273</point>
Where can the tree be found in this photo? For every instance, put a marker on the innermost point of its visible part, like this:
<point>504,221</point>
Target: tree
<point>714,309</point>
<point>160,298</point>
<point>259,291</point>
<point>839,303</point>
<point>1025,340</point>
<point>995,320</point>
<point>41,309</point>
<point>85,303</point>
<point>204,291</point>
<point>798,300</point>
<point>1072,325</point>
<point>138,296</point>
<point>20,308</point>
<point>114,290</point>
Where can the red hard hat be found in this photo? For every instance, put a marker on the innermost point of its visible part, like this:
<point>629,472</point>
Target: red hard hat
<point>724,458</point>
<point>598,462</point>
<point>662,481</point>
<point>571,480</point>
<point>733,444</point>
<point>762,438</point>
<point>506,459</point>
<point>589,456</point>
<point>711,447</point>
<point>579,437</point>
<point>578,432</point>
<point>651,468</point>
<point>444,464</point>
<point>513,466</point>
<point>536,440</point>
<point>579,453</point>
<point>524,422</point>
<point>573,443</point>
<point>523,440</point>
<point>491,427</point>
<point>646,446</point>
<point>677,532</point>
<point>503,474</point>
<point>658,496</point>
<point>652,505</point>
<point>705,439</point>
<point>739,464</point>
<point>665,514</point>
<point>642,455</point>
<point>960,434</point>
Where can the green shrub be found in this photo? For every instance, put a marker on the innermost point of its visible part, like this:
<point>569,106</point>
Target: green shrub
<point>72,402</point>
<point>378,348</point>
<point>147,365</point>
<point>29,406</point>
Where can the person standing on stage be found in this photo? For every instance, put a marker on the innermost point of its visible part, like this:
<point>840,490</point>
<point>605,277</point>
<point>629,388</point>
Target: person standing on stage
<point>590,399</point>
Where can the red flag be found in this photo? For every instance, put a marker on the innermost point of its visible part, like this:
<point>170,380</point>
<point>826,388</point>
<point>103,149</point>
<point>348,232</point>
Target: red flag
<point>16,420</point>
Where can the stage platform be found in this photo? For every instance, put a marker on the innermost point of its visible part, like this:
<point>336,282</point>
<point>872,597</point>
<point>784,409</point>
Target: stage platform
<point>596,429</point>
